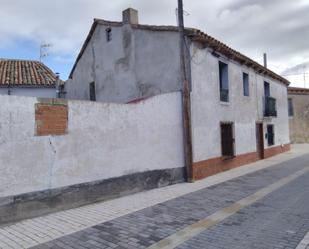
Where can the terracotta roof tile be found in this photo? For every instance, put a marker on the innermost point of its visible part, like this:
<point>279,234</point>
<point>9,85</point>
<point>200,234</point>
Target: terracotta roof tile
<point>298,91</point>
<point>196,35</point>
<point>25,73</point>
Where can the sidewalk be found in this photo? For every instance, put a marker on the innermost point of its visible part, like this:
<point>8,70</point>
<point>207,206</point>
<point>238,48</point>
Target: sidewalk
<point>35,231</point>
<point>304,244</point>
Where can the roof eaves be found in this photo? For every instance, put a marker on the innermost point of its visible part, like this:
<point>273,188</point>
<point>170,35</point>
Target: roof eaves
<point>298,91</point>
<point>199,36</point>
<point>27,86</point>
<point>195,35</point>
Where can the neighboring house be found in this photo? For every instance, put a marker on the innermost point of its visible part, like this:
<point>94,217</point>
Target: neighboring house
<point>26,78</point>
<point>239,108</point>
<point>298,100</point>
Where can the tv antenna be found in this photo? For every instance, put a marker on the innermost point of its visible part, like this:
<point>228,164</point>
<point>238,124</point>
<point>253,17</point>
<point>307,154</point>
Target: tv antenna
<point>44,50</point>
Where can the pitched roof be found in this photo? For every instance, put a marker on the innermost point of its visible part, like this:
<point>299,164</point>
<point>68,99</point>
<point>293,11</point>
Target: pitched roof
<point>195,35</point>
<point>25,73</point>
<point>298,91</point>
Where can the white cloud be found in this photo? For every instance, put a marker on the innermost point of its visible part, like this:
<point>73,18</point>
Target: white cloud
<point>278,27</point>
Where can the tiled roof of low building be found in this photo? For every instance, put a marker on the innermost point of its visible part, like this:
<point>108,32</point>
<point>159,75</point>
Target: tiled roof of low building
<point>195,35</point>
<point>298,91</point>
<point>25,73</point>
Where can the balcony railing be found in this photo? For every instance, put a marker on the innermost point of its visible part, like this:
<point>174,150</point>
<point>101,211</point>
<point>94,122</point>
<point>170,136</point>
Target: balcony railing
<point>270,107</point>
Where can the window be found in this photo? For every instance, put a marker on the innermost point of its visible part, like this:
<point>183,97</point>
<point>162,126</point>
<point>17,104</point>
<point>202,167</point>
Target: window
<point>224,82</point>
<point>291,108</point>
<point>270,103</point>
<point>270,135</point>
<point>227,140</point>
<point>92,91</point>
<point>245,78</point>
<point>108,34</point>
<point>266,89</point>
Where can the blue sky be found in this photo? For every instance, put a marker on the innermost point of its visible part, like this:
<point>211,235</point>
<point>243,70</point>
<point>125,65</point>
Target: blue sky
<point>278,27</point>
<point>29,49</point>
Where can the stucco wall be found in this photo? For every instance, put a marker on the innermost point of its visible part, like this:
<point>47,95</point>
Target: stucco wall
<point>208,111</point>
<point>30,92</point>
<point>299,123</point>
<point>134,64</point>
<point>103,141</point>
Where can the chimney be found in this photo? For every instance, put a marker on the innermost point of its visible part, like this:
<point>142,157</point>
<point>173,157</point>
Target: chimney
<point>130,16</point>
<point>265,60</point>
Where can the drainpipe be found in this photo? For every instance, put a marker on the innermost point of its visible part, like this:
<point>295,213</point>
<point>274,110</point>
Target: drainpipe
<point>186,98</point>
<point>58,92</point>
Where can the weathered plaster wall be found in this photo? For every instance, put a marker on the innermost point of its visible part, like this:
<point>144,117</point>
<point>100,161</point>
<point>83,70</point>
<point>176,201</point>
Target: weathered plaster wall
<point>299,123</point>
<point>104,141</point>
<point>30,92</point>
<point>281,122</point>
<point>208,111</point>
<point>135,64</point>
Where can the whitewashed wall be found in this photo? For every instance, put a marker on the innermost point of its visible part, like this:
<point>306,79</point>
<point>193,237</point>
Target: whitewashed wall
<point>208,111</point>
<point>30,92</point>
<point>103,141</point>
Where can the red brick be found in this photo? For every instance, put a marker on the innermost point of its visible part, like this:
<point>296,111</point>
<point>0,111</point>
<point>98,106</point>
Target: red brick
<point>51,119</point>
<point>214,166</point>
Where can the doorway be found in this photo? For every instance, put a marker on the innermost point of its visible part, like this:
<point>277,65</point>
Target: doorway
<point>227,140</point>
<point>260,140</point>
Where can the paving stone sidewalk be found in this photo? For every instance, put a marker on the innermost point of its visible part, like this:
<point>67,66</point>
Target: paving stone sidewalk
<point>37,231</point>
<point>304,244</point>
<point>279,221</point>
<point>148,226</point>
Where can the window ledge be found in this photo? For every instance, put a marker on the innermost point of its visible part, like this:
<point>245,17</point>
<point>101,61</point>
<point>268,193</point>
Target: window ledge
<point>225,103</point>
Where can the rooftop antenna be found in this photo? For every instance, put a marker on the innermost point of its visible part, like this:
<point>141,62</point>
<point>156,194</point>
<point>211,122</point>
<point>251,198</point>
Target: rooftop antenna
<point>44,50</point>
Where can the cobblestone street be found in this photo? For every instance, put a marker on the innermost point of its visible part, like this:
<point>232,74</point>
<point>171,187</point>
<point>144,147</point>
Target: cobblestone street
<point>267,208</point>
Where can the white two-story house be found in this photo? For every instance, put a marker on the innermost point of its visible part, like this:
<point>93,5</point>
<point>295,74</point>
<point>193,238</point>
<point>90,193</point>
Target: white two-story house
<point>239,107</point>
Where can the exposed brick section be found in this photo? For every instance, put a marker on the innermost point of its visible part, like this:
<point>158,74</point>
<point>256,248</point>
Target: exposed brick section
<point>276,150</point>
<point>214,166</point>
<point>51,119</point>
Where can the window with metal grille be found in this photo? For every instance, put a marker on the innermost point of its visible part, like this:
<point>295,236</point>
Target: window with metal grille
<point>270,103</point>
<point>224,82</point>
<point>270,135</point>
<point>92,91</point>
<point>290,108</point>
<point>245,78</point>
<point>227,140</point>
